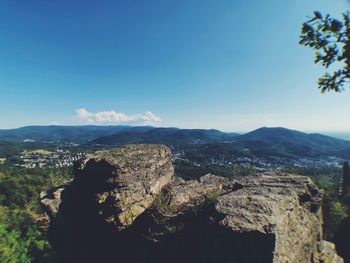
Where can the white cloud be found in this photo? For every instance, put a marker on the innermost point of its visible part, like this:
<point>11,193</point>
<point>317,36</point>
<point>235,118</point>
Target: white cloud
<point>112,117</point>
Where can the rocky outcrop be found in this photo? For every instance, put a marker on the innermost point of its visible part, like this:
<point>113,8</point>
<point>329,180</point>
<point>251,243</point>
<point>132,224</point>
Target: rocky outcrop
<point>52,200</point>
<point>125,204</point>
<point>120,183</point>
<point>288,207</point>
<point>328,253</point>
<point>184,194</point>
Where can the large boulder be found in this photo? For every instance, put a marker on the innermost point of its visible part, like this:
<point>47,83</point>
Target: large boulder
<point>283,209</point>
<point>118,184</point>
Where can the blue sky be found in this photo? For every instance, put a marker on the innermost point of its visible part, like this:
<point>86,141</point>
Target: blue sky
<point>231,65</point>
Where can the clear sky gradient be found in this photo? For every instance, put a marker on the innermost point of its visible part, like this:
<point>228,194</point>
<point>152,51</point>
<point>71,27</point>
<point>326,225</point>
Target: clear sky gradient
<point>233,65</point>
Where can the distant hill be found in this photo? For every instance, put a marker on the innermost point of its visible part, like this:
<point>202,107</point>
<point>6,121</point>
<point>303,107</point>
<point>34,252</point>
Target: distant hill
<point>113,135</point>
<point>76,134</point>
<point>262,142</point>
<point>168,136</point>
<point>288,143</point>
<point>339,135</point>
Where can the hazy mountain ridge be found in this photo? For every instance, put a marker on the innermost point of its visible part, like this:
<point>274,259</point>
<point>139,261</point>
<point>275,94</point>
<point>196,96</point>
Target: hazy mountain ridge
<point>289,143</point>
<point>262,142</point>
<point>169,136</point>
<point>76,134</point>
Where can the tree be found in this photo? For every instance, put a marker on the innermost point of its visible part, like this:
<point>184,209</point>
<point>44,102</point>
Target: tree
<point>330,39</point>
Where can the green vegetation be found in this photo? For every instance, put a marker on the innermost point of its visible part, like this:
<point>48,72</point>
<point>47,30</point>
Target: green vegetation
<point>239,170</point>
<point>22,223</point>
<point>212,198</point>
<point>190,171</point>
<point>162,213</point>
<point>330,38</point>
<point>13,149</point>
<point>162,203</point>
<point>335,208</point>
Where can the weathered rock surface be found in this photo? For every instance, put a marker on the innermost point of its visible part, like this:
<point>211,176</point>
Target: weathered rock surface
<point>285,206</point>
<point>52,200</point>
<point>191,193</point>
<point>120,183</point>
<point>125,204</point>
<point>328,253</point>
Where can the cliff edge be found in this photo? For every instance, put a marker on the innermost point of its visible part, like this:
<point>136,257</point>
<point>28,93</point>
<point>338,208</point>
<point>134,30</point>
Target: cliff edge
<point>126,204</point>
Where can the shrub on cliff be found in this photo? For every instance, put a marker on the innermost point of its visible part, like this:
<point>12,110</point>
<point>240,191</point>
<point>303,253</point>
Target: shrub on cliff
<point>22,233</point>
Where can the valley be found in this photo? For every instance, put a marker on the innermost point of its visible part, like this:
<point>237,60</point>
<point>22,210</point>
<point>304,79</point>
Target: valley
<point>35,161</point>
<point>262,149</point>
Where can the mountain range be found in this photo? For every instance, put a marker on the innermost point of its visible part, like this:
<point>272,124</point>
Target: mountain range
<point>74,134</point>
<point>260,142</point>
<point>289,143</point>
<point>168,136</point>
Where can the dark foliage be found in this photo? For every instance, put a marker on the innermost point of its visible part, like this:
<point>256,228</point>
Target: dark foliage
<point>189,171</point>
<point>330,39</point>
<point>22,223</point>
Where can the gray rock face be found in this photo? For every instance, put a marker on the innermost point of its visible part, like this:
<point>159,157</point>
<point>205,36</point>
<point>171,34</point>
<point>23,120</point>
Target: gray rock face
<point>285,206</point>
<point>186,194</point>
<point>52,200</point>
<point>120,183</point>
<point>114,204</point>
<point>282,207</point>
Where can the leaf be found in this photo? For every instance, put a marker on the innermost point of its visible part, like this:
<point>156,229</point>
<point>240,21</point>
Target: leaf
<point>318,15</point>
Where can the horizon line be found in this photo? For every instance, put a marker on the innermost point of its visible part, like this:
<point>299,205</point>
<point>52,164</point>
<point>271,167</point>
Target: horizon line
<point>175,127</point>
